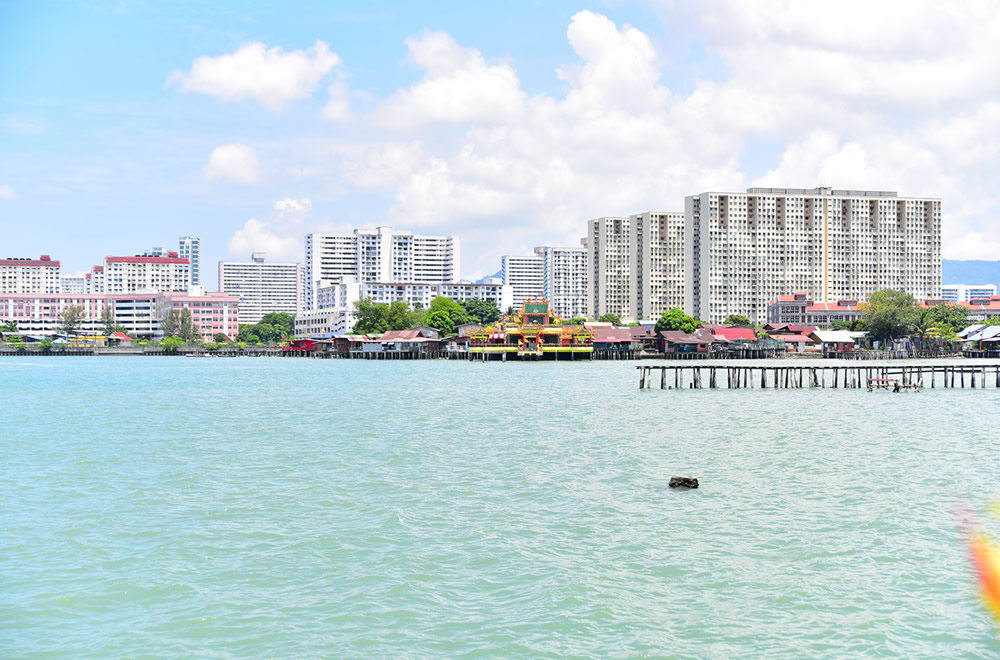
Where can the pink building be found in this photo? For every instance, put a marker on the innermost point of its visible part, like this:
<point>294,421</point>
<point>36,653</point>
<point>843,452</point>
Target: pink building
<point>38,313</point>
<point>798,308</point>
<point>212,313</point>
<point>141,274</point>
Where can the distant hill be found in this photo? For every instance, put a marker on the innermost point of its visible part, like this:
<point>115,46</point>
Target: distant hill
<point>954,271</point>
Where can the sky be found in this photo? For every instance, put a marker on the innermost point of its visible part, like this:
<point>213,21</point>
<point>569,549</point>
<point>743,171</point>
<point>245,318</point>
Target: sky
<point>126,124</point>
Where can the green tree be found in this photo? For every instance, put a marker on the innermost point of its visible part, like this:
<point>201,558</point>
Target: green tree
<point>170,324</point>
<point>610,318</point>
<point>171,344</point>
<point>398,316</point>
<point>282,322</point>
<point>840,325</point>
<point>738,320</point>
<point>45,344</point>
<point>442,321</point>
<point>372,317</point>
<point>579,320</point>
<point>676,319</point>
<point>108,320</point>
<point>889,313</point>
<point>456,313</point>
<point>954,316</point>
<point>221,338</point>
<point>481,311</point>
<point>993,321</point>
<point>188,331</point>
<point>8,327</point>
<point>70,318</point>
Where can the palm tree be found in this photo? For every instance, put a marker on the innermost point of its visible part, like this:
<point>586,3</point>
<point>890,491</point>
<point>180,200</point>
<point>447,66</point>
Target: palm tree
<point>922,324</point>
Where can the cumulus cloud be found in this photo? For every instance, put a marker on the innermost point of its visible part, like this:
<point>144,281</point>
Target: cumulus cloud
<point>902,100</point>
<point>6,192</point>
<point>270,76</point>
<point>237,163</point>
<point>295,209</point>
<point>459,87</point>
<point>258,236</point>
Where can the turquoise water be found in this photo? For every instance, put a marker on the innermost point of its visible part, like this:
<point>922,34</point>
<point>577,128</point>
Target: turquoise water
<point>288,508</point>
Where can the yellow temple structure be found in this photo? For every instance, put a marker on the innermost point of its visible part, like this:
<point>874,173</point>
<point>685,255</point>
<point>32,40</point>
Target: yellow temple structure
<point>534,334</point>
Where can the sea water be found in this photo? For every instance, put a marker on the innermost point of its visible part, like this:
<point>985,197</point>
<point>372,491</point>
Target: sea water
<point>290,507</point>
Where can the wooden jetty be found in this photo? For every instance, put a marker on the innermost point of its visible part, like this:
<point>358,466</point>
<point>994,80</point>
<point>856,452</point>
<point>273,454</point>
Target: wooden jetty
<point>914,377</point>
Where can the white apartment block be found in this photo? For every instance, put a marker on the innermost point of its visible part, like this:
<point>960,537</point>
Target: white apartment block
<point>525,275</point>
<point>609,267</point>
<point>29,275</point>
<point>656,263</point>
<point>380,255</point>
<point>73,283</point>
<point>263,288</point>
<point>744,249</point>
<point>564,279</point>
<point>967,292</point>
<point>142,274</point>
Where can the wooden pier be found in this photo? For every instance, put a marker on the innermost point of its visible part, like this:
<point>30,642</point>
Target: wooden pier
<point>766,377</point>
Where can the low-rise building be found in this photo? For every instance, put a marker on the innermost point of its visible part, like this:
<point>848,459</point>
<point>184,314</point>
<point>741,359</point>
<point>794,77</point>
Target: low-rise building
<point>983,309</point>
<point>211,313</point>
<point>799,308</point>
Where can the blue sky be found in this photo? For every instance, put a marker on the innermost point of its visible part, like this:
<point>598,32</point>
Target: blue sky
<point>507,124</point>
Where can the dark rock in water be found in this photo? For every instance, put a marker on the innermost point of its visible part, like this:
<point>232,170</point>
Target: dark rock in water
<point>683,482</point>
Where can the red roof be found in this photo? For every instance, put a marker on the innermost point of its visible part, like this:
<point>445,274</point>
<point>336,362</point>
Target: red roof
<point>400,335</point>
<point>733,334</point>
<point>146,260</point>
<point>605,334</point>
<point>120,335</point>
<point>839,306</point>
<point>799,339</point>
<point>798,296</point>
<point>48,263</point>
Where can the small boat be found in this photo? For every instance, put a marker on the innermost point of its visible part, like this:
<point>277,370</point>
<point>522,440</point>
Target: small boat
<point>194,355</point>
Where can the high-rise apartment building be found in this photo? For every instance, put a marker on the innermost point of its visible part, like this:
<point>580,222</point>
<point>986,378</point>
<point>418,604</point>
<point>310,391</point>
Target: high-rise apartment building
<point>23,275</point>
<point>609,267</point>
<point>656,263</point>
<point>262,287</point>
<point>189,247</point>
<point>564,279</point>
<point>380,255</point>
<point>745,249</point>
<point>141,274</point>
<point>525,275</point>
<point>73,283</point>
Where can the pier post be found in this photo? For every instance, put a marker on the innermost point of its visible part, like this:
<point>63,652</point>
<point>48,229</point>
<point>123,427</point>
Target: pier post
<point>663,378</point>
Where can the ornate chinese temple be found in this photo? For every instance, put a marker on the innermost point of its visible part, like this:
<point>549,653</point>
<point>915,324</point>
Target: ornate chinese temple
<point>534,334</point>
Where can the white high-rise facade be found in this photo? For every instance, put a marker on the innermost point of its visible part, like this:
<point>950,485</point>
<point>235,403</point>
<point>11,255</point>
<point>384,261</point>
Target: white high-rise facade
<point>263,287</point>
<point>656,263</point>
<point>967,292</point>
<point>744,249</point>
<point>525,275</point>
<point>189,247</point>
<point>142,274</point>
<point>564,279</point>
<point>39,275</point>
<point>380,255</point>
<point>609,267</point>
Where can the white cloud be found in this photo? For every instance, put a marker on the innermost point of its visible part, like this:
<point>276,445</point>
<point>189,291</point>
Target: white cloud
<point>233,162</point>
<point>459,87</point>
<point>338,108</point>
<point>295,209</point>
<point>271,76</point>
<point>6,192</point>
<point>257,236</point>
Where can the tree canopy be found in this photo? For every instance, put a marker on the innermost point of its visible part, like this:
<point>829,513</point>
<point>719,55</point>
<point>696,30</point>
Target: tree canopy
<point>442,321</point>
<point>890,313</point>
<point>610,318</point>
<point>481,311</point>
<point>70,318</point>
<point>579,320</point>
<point>738,320</point>
<point>676,319</point>
<point>271,329</point>
<point>955,317</point>
<point>180,324</point>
